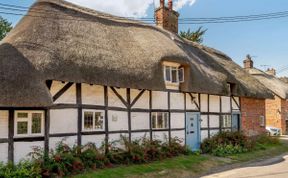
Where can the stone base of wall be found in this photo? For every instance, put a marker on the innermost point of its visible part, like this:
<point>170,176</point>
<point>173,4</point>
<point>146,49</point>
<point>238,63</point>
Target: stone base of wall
<point>251,112</point>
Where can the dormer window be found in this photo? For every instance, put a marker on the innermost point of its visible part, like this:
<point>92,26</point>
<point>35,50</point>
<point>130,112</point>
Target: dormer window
<point>173,74</point>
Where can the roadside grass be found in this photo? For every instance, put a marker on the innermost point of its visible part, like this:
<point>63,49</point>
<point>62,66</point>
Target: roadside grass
<point>267,151</point>
<point>186,166</point>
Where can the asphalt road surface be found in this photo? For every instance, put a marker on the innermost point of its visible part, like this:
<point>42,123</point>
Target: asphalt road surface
<point>272,168</point>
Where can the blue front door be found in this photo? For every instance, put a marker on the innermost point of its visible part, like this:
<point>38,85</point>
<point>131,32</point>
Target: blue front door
<point>193,140</point>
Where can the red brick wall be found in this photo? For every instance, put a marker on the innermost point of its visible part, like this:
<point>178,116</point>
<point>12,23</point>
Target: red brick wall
<point>251,111</point>
<point>167,19</point>
<point>284,115</point>
<point>273,112</point>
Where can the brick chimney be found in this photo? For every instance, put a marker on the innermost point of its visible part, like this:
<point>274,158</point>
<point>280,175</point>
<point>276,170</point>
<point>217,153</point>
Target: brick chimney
<point>166,17</point>
<point>271,71</point>
<point>248,62</point>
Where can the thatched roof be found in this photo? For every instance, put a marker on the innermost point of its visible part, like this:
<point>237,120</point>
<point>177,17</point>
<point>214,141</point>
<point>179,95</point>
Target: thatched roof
<point>69,43</point>
<point>284,79</point>
<point>273,83</point>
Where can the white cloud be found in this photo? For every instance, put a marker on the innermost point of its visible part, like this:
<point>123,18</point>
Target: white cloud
<point>181,3</point>
<point>127,8</point>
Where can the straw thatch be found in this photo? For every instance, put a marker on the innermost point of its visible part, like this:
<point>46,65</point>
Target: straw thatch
<point>277,86</point>
<point>61,41</point>
<point>284,79</point>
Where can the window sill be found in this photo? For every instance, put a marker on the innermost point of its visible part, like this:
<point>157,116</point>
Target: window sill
<point>29,136</point>
<point>93,130</point>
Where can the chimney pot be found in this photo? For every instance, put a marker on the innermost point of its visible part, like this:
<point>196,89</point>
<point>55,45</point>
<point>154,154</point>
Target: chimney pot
<point>170,5</point>
<point>271,71</point>
<point>162,3</point>
<point>248,62</point>
<point>166,17</point>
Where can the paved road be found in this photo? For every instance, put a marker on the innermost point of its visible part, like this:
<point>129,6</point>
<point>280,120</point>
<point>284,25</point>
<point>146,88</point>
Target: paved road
<point>265,169</point>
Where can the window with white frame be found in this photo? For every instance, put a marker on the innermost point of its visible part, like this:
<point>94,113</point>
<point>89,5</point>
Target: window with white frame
<point>29,123</point>
<point>160,120</point>
<point>173,74</point>
<point>93,120</point>
<point>226,121</point>
<point>262,121</point>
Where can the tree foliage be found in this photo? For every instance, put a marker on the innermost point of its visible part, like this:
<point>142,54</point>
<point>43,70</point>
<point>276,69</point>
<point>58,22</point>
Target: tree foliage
<point>195,36</point>
<point>5,27</point>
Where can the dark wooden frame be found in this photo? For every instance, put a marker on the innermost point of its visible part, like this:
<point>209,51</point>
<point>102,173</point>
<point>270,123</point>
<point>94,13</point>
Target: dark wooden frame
<point>128,103</point>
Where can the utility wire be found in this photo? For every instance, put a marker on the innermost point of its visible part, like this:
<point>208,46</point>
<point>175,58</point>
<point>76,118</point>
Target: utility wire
<point>233,19</point>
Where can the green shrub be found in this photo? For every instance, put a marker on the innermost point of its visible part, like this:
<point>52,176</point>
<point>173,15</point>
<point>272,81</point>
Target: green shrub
<point>226,143</point>
<point>268,140</point>
<point>23,169</point>
<point>225,150</point>
<point>67,161</point>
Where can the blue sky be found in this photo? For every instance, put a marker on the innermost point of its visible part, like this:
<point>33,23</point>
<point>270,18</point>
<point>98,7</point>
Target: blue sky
<point>266,40</point>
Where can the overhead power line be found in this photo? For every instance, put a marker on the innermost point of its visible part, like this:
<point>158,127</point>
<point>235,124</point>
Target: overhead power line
<point>10,9</point>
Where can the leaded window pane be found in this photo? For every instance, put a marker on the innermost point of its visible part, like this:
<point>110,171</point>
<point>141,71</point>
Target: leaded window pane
<point>98,121</point>
<point>174,75</point>
<point>226,121</point>
<point>165,120</point>
<point>36,123</point>
<point>22,115</point>
<point>88,120</point>
<point>22,127</point>
<point>160,121</point>
<point>167,73</point>
<point>181,74</point>
<point>154,120</point>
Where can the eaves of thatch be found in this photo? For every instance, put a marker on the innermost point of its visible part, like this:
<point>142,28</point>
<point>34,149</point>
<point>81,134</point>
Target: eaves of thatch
<point>61,41</point>
<point>277,86</point>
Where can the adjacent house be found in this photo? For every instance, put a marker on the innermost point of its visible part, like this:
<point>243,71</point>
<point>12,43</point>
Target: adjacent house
<point>76,74</point>
<point>284,79</point>
<point>277,108</point>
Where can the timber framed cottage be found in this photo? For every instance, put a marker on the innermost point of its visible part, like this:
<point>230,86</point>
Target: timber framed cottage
<point>87,76</point>
<point>276,110</point>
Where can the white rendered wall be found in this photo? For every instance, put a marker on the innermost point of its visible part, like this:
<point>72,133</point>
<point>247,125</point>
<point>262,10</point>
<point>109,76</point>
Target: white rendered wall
<point>162,136</point>
<point>116,139</point>
<point>226,107</point>
<point>214,121</point>
<point>177,101</point>
<point>204,103</point>
<point>98,140</point>
<point>159,100</point>
<point>54,141</point>
<point>63,121</point>
<point>214,103</point>
<point>177,120</point>
<point>179,134</point>
<point>117,120</point>
<point>140,120</point>
<point>143,101</point>
<point>113,99</point>
<point>69,97</point>
<point>4,124</point>
<point>204,121</point>
<point>190,105</point>
<point>3,152</point>
<point>234,105</point>
<point>22,149</point>
<point>140,135</point>
<point>213,132</point>
<point>204,134</point>
<point>92,94</point>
